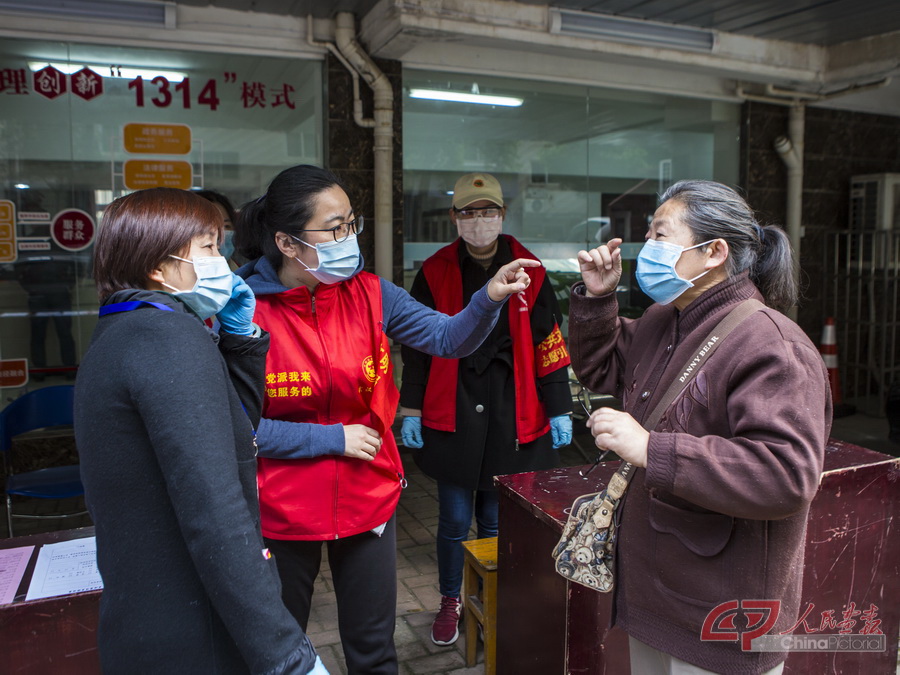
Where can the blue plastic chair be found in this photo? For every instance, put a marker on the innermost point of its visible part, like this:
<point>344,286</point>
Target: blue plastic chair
<point>46,407</point>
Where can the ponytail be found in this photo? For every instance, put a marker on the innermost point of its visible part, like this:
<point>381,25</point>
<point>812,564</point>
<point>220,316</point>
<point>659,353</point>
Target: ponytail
<point>773,272</point>
<point>249,229</point>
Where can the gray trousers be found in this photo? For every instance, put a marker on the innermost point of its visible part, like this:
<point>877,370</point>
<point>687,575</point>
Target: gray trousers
<point>645,660</point>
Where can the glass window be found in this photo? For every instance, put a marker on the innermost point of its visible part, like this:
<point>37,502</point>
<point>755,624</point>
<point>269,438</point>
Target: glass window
<point>83,124</point>
<point>578,165</point>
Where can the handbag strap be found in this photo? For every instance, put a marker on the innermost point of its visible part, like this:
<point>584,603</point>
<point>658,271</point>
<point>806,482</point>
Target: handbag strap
<point>619,482</point>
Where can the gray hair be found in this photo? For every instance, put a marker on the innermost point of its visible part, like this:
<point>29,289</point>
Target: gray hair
<point>715,211</point>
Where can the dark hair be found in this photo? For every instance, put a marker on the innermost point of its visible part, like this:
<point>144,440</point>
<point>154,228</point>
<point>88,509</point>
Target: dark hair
<point>715,211</point>
<point>288,205</point>
<point>221,200</point>
<point>141,230</point>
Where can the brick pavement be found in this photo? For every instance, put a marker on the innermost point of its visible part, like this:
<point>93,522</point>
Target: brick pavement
<point>417,591</point>
<point>417,588</point>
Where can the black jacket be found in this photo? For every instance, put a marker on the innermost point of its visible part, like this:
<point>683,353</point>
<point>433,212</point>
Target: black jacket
<point>169,468</point>
<point>484,444</point>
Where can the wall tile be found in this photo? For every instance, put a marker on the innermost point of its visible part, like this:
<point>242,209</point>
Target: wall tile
<point>350,151</point>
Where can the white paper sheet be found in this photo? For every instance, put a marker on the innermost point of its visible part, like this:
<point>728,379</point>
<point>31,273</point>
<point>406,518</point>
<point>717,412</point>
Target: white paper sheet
<point>64,568</point>
<point>13,562</point>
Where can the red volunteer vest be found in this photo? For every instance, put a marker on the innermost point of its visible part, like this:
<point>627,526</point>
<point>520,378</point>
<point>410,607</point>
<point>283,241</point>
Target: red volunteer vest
<point>329,363</point>
<point>444,278</point>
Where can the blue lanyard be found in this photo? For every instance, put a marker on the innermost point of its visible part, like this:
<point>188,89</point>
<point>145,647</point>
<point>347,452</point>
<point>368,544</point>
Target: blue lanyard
<point>128,306</point>
<point>135,304</point>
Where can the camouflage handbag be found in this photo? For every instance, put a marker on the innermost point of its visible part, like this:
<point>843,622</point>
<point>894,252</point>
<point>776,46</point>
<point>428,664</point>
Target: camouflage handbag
<point>585,553</point>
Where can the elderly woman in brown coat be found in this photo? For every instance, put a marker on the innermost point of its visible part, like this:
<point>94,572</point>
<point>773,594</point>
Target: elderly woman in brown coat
<point>717,509</point>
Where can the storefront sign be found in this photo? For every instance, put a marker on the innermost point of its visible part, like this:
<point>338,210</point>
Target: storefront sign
<point>8,251</point>
<point>72,229</point>
<point>141,174</point>
<point>158,92</point>
<point>160,139</point>
<point>13,373</point>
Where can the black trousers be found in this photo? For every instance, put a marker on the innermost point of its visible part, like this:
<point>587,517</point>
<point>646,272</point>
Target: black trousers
<point>364,572</point>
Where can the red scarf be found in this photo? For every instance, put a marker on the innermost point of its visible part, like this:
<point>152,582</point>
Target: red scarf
<point>444,277</point>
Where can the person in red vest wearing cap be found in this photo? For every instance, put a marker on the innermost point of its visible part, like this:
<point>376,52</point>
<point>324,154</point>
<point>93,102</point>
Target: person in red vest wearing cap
<point>503,409</point>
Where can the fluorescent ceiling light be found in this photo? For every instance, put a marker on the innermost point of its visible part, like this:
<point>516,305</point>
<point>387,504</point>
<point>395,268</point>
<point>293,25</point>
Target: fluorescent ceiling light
<point>463,97</point>
<point>109,70</point>
<point>632,31</point>
<point>144,12</point>
<point>21,186</point>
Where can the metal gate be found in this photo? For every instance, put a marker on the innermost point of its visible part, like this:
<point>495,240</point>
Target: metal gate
<point>863,296</point>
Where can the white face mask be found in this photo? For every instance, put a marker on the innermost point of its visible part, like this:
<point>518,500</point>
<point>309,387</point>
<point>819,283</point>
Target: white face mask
<point>338,260</point>
<point>213,288</point>
<point>479,232</point>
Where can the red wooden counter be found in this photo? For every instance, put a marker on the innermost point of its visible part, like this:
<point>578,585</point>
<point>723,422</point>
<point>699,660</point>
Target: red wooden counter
<point>546,626</point>
<point>52,635</point>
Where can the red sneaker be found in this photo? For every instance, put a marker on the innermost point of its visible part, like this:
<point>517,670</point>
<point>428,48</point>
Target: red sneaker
<point>445,629</point>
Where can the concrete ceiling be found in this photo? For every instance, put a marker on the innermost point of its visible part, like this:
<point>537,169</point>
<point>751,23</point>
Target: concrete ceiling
<point>819,22</point>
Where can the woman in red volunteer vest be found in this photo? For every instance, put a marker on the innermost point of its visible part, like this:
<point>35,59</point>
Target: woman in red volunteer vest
<point>503,409</point>
<point>329,470</point>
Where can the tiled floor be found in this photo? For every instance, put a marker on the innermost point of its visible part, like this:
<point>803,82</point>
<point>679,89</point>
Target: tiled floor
<point>417,586</point>
<point>417,596</point>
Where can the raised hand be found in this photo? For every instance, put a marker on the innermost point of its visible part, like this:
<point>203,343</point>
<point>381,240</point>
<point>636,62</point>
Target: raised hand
<point>601,267</point>
<point>236,317</point>
<point>511,278</point>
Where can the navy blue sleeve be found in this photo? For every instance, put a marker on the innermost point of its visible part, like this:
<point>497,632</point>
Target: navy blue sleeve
<point>411,323</point>
<point>416,365</point>
<point>279,439</point>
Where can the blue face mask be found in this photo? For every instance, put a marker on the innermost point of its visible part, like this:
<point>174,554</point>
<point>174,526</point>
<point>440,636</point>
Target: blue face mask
<point>338,260</point>
<point>656,273</point>
<point>227,247</point>
<point>213,288</point>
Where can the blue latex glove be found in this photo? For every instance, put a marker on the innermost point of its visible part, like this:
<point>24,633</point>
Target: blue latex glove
<point>318,668</point>
<point>411,432</point>
<point>237,316</point>
<point>561,430</point>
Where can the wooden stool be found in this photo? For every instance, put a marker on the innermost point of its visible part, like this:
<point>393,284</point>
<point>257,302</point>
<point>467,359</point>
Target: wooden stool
<point>481,605</point>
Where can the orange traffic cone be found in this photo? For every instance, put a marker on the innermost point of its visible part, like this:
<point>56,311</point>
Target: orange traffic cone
<point>828,350</point>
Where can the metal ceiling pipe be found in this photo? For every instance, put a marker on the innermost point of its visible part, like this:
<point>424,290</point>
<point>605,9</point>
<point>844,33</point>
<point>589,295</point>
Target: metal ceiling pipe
<point>790,149</point>
<point>361,121</point>
<point>345,38</point>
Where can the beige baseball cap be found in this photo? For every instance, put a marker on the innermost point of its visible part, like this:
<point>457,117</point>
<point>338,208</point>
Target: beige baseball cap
<point>474,187</point>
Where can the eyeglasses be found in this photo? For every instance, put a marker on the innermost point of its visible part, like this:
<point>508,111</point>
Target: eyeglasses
<point>488,213</point>
<point>343,230</point>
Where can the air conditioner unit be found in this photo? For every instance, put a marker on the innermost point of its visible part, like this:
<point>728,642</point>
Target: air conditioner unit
<point>875,201</point>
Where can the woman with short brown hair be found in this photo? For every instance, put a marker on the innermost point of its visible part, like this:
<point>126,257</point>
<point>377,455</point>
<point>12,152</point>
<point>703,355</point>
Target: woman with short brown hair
<point>165,413</point>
